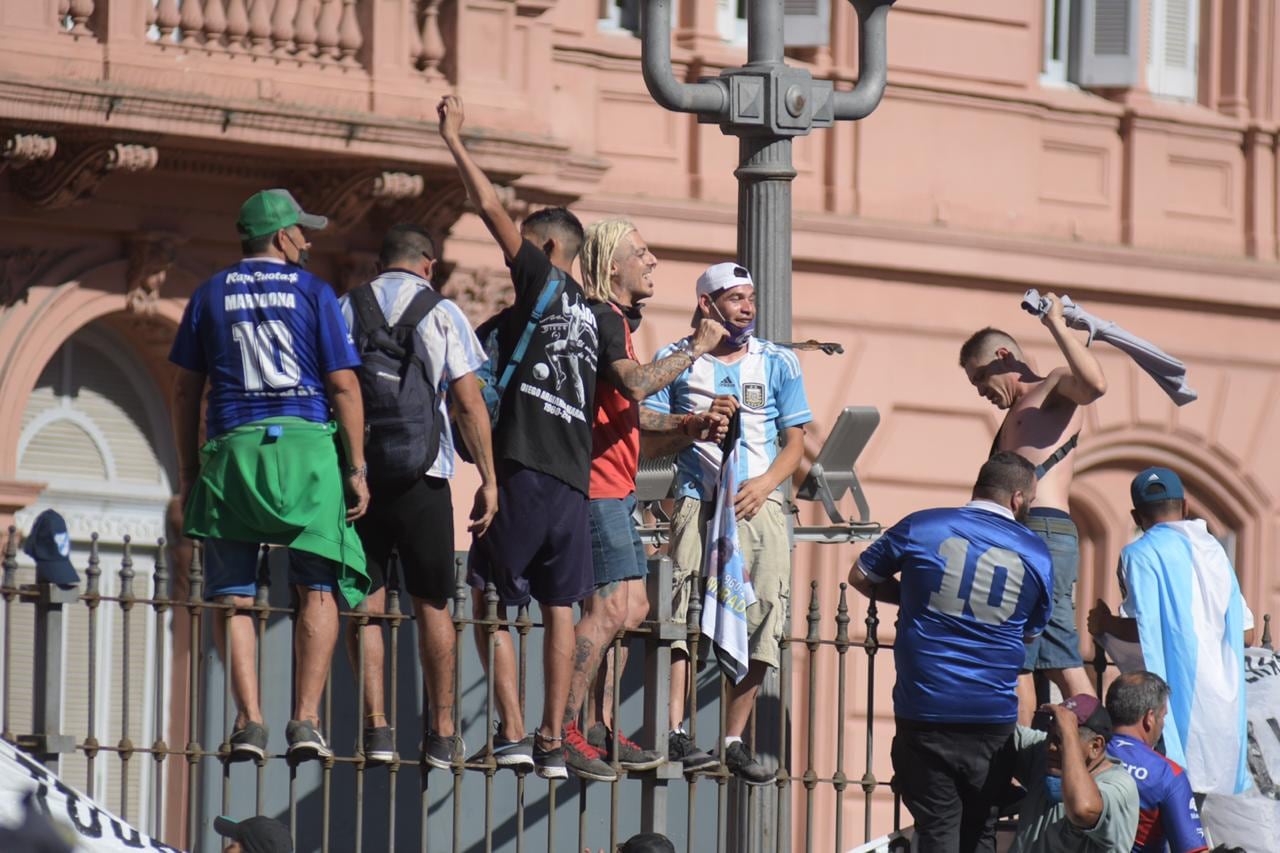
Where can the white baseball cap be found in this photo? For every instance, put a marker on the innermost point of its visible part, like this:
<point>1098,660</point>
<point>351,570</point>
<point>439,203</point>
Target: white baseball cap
<point>721,276</point>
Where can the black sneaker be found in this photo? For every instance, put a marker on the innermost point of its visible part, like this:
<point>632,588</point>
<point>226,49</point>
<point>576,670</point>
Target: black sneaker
<point>440,751</point>
<point>305,741</point>
<point>630,755</point>
<point>583,759</point>
<point>249,741</point>
<point>681,748</point>
<point>516,754</point>
<point>379,744</point>
<point>741,763</point>
<point>549,763</point>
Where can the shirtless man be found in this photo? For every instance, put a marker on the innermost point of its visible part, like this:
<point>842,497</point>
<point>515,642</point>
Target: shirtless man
<point>1043,421</point>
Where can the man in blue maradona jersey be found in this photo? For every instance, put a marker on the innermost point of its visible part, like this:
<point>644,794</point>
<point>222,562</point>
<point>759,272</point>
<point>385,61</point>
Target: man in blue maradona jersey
<point>1167,813</point>
<point>268,339</point>
<point>973,586</point>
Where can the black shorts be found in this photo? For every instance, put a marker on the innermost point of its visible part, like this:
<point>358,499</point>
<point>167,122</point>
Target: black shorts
<point>417,523</point>
<point>539,545</point>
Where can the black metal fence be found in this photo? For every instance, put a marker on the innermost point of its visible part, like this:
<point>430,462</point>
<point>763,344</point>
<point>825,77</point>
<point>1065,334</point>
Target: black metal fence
<point>162,760</point>
<point>170,709</point>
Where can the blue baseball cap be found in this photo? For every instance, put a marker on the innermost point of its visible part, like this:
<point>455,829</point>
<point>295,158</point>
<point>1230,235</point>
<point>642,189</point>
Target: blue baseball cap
<point>1154,485</point>
<point>49,545</point>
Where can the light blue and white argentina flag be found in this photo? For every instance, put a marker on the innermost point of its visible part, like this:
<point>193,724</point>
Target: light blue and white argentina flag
<point>728,586</point>
<point>1181,588</point>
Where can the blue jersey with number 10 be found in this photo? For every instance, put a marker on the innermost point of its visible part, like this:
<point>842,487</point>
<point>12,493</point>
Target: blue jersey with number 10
<point>266,333</point>
<point>973,584</point>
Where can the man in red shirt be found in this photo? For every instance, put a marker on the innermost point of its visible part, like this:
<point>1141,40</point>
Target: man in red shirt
<point>617,274</point>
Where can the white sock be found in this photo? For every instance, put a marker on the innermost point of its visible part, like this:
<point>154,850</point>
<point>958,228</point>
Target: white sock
<point>731,740</point>
<point>679,730</point>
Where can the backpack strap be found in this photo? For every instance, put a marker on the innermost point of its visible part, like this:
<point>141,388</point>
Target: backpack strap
<point>418,308</point>
<point>555,281</point>
<point>368,312</point>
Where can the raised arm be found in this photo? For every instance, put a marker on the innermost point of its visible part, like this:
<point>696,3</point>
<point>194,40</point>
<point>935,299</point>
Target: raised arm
<point>1081,798</point>
<point>1082,382</point>
<point>480,190</point>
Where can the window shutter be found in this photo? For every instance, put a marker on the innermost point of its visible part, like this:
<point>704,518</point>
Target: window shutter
<point>1171,69</point>
<point>806,23</point>
<point>1104,43</point>
<point>629,15</point>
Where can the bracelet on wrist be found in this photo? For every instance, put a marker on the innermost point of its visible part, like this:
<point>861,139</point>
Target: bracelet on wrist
<point>361,471</point>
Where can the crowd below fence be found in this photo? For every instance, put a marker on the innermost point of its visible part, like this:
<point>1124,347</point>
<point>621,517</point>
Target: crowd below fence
<point>325,431</point>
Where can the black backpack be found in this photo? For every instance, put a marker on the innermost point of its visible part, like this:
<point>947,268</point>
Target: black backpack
<point>402,420</point>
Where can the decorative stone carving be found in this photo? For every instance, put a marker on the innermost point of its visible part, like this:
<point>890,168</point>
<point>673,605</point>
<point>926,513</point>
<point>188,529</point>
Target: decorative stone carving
<point>23,149</point>
<point>151,256</point>
<point>479,292</point>
<point>19,269</point>
<point>77,175</point>
<point>354,269</point>
<point>347,199</point>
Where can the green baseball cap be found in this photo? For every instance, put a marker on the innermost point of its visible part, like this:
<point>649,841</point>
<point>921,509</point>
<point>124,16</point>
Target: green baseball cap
<point>270,210</point>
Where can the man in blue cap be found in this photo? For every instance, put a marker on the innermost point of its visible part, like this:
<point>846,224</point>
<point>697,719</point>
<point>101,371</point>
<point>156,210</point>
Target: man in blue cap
<point>49,545</point>
<point>1184,619</point>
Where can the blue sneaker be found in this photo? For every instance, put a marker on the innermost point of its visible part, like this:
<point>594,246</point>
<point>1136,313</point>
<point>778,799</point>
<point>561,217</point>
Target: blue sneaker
<point>516,754</point>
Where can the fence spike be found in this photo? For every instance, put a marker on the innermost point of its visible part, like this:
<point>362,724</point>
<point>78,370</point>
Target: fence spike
<point>11,560</point>
<point>814,618</point>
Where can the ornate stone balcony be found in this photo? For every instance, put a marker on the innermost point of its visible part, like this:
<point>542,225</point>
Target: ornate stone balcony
<point>352,79</point>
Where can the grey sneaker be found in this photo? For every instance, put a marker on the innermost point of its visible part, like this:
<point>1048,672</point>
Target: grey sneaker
<point>583,759</point>
<point>549,763</point>
<point>681,748</point>
<point>630,755</point>
<point>249,741</point>
<point>440,751</point>
<point>305,741</point>
<point>516,754</point>
<point>741,763</point>
<point>378,744</point>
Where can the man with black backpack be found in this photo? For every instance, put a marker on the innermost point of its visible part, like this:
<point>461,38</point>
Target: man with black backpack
<point>540,543</point>
<point>416,347</point>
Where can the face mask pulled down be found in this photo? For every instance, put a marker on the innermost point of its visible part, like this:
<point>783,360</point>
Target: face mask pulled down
<point>738,335</point>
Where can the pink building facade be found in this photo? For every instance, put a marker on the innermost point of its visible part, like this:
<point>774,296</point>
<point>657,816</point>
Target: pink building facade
<point>132,130</point>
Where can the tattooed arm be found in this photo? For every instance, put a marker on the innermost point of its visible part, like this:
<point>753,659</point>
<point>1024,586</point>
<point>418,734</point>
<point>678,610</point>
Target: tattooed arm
<point>638,381</point>
<point>664,435</point>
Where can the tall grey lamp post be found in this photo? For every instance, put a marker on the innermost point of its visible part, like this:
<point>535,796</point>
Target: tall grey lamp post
<point>766,103</point>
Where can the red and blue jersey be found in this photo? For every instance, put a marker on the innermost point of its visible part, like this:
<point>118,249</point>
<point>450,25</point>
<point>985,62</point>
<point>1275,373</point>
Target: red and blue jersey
<point>266,333</point>
<point>1167,808</point>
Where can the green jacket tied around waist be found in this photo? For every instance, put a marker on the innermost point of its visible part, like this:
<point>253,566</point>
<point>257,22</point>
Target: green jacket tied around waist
<point>277,481</point>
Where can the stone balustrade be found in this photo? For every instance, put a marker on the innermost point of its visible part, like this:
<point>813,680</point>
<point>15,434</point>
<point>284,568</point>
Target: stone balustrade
<point>299,32</point>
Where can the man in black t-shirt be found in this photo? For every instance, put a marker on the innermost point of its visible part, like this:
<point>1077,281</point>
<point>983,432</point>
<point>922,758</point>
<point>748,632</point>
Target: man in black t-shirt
<point>539,545</point>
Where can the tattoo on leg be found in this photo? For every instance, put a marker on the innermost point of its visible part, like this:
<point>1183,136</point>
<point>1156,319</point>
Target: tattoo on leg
<point>608,589</point>
<point>581,654</point>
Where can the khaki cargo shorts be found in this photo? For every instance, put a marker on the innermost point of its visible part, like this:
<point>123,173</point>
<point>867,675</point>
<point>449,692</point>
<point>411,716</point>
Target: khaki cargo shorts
<point>767,555</point>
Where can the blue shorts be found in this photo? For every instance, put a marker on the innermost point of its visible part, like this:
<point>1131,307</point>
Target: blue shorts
<point>231,568</point>
<point>616,550</point>
<point>539,545</point>
<point>1059,646</point>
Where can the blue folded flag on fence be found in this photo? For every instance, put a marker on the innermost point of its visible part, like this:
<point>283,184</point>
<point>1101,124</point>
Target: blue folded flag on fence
<point>728,586</point>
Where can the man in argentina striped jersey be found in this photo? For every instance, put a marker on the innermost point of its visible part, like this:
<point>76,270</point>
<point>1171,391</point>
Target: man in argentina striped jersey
<point>762,381</point>
<point>1184,619</point>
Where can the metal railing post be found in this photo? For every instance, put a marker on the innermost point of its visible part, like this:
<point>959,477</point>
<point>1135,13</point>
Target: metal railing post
<point>657,695</point>
<point>48,743</point>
